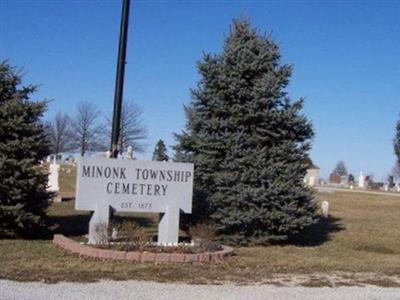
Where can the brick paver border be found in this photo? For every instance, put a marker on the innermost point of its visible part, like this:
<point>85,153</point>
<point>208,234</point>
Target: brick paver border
<point>84,250</point>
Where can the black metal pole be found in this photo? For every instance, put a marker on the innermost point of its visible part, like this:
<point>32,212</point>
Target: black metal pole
<point>119,82</point>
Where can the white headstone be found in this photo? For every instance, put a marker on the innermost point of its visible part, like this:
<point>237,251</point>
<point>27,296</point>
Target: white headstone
<point>129,153</point>
<point>132,185</point>
<point>361,181</point>
<point>311,181</point>
<point>325,209</point>
<point>114,233</point>
<point>52,185</point>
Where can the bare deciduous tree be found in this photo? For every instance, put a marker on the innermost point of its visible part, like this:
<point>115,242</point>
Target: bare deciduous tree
<point>86,130</point>
<point>60,133</point>
<point>396,143</point>
<point>132,133</point>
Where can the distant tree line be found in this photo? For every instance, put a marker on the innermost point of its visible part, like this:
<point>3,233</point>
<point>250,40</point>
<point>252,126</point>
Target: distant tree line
<point>88,131</point>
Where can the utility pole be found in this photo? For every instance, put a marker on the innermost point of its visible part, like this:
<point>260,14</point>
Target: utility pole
<point>119,82</point>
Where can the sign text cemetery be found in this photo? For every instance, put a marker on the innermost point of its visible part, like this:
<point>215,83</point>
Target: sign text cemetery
<point>134,186</point>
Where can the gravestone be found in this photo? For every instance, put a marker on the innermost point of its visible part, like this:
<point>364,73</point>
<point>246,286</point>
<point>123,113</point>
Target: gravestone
<point>52,184</point>
<point>124,185</point>
<point>361,180</point>
<point>129,153</point>
<point>325,209</point>
<point>312,181</point>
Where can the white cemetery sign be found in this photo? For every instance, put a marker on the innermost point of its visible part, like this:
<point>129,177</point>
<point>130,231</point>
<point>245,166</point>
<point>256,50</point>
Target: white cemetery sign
<point>134,186</point>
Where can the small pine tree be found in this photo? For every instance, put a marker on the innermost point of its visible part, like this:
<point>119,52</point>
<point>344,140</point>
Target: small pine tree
<point>340,168</point>
<point>249,142</point>
<point>350,179</point>
<point>23,144</point>
<point>160,152</point>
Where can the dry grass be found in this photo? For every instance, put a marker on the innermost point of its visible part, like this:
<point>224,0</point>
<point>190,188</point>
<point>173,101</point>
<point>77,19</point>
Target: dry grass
<point>67,179</point>
<point>361,236</point>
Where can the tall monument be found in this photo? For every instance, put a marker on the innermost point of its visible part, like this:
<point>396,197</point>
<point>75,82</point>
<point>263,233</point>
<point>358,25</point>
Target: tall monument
<point>361,180</point>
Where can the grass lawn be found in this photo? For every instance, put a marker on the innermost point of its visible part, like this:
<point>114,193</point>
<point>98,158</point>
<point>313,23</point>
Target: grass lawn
<point>362,236</point>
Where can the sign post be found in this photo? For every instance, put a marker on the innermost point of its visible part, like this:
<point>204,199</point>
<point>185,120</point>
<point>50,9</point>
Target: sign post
<point>119,81</point>
<point>134,186</point>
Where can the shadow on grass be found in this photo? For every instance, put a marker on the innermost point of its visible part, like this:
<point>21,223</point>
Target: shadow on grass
<point>71,225</point>
<point>141,221</point>
<point>76,225</point>
<point>318,233</point>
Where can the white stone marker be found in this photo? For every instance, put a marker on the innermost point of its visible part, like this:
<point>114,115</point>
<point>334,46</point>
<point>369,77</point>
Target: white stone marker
<point>312,181</point>
<point>54,169</point>
<point>361,182</point>
<point>129,153</point>
<point>325,209</point>
<point>132,185</point>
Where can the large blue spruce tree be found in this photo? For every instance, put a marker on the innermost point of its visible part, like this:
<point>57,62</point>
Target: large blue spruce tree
<point>249,142</point>
<point>23,144</point>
